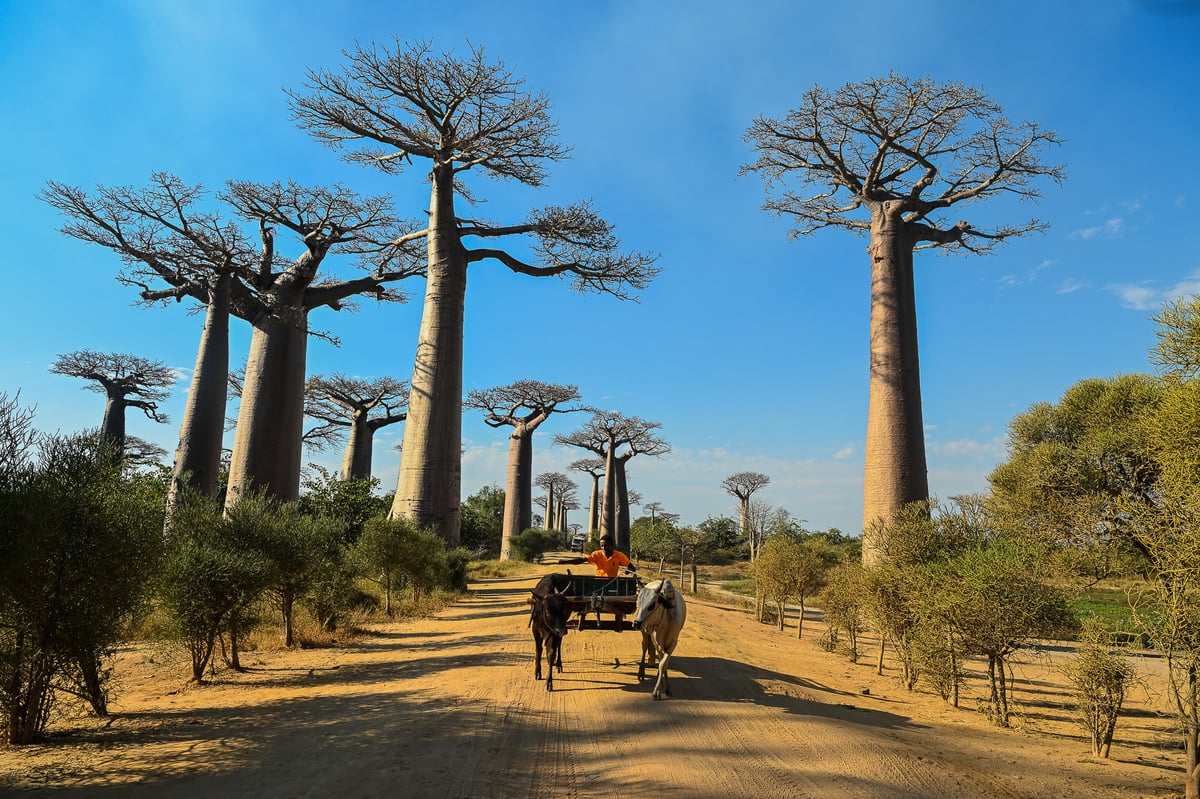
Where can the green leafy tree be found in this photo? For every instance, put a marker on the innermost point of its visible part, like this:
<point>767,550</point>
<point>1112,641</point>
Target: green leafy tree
<point>845,608</point>
<point>293,546</point>
<point>787,568</point>
<point>723,534</point>
<point>483,516</point>
<point>654,539</point>
<point>1176,351</point>
<point>350,502</point>
<point>380,552</point>
<point>531,544</point>
<point>994,600</point>
<point>80,543</point>
<point>1072,467</point>
<point>1100,678</point>
<point>209,580</point>
<point>1170,616</point>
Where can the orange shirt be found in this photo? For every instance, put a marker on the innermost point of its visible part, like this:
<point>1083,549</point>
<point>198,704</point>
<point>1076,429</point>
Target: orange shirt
<point>607,567</point>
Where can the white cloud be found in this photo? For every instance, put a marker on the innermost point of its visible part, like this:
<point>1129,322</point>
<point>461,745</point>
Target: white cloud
<point>1011,281</point>
<point>1111,229</point>
<point>1144,297</point>
<point>969,448</point>
<point>844,452</point>
<point>1072,285</point>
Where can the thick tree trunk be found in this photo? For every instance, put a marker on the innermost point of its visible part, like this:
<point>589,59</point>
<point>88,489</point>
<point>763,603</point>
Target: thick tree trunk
<point>744,509</point>
<point>267,446</point>
<point>1192,770</point>
<point>428,488</point>
<point>91,674</point>
<point>356,462</point>
<point>287,600</point>
<point>594,506</point>
<point>548,520</point>
<point>621,507</point>
<point>518,490</point>
<point>113,426</point>
<point>198,457</point>
<point>895,470</point>
<point>608,514</point>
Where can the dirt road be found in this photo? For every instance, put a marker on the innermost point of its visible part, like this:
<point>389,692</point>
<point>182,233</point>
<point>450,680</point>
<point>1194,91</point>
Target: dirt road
<point>448,707</point>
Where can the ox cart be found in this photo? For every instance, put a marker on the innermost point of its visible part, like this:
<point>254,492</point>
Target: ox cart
<point>588,596</point>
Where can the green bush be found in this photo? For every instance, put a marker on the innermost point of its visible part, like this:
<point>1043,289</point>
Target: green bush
<point>80,543</point>
<point>209,581</point>
<point>531,544</point>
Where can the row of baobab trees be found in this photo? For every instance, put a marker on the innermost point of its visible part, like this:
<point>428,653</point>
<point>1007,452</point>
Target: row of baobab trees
<point>885,158</point>
<point>385,109</point>
<point>340,407</point>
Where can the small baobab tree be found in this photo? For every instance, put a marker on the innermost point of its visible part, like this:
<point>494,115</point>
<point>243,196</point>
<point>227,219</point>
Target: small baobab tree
<point>558,486</point>
<point>458,116</point>
<point>742,486</point>
<point>888,157</point>
<point>616,439</point>
<point>523,406</point>
<point>126,381</point>
<point>344,405</point>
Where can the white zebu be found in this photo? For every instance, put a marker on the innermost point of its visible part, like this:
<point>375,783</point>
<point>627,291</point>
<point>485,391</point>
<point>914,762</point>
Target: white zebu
<point>660,615</point>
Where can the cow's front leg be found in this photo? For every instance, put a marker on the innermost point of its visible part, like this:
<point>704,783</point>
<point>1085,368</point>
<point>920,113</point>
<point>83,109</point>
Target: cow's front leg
<point>537,657</point>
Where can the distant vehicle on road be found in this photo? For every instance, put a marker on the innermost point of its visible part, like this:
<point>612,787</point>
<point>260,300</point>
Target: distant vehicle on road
<point>577,542</point>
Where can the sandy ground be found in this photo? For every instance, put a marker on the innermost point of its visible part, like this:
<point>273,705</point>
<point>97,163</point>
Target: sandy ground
<point>448,707</point>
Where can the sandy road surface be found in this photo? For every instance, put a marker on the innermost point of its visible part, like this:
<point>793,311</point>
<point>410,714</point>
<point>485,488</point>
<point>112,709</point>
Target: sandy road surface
<point>447,707</point>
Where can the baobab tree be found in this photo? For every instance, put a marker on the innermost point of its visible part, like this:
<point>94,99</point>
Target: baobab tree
<point>172,249</point>
<point>558,486</point>
<point>457,115</point>
<point>126,381</point>
<point>267,446</point>
<point>523,406</point>
<point>594,468</point>
<point>742,486</point>
<point>344,405</point>
<point>616,439</point>
<point>887,158</point>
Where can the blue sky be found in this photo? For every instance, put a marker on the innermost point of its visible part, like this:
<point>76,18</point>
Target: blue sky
<point>750,348</point>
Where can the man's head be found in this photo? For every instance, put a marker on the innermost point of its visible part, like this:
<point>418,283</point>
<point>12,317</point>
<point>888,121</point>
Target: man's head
<point>606,543</point>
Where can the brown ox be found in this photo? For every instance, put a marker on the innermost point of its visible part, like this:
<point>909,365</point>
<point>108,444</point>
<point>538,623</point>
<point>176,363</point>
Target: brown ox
<point>660,615</point>
<point>548,618</point>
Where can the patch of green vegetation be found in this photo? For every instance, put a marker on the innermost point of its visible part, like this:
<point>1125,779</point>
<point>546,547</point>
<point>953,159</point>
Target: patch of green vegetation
<point>742,586</point>
<point>479,569</point>
<point>1108,606</point>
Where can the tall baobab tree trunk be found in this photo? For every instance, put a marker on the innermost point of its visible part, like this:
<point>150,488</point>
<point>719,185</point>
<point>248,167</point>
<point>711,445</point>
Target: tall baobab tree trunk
<point>113,426</point>
<point>356,462</point>
<point>608,513</point>
<point>428,488</point>
<point>621,506</point>
<point>548,520</point>
<point>744,522</point>
<point>198,456</point>
<point>594,505</point>
<point>518,490</point>
<point>895,470</point>
<point>267,446</point>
